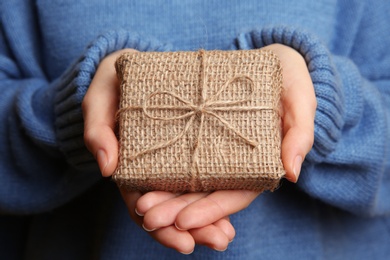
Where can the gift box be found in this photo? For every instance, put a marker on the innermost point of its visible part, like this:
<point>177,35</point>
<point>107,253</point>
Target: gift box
<point>199,121</point>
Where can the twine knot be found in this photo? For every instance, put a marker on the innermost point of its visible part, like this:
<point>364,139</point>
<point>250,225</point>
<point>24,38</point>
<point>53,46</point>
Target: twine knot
<point>199,109</point>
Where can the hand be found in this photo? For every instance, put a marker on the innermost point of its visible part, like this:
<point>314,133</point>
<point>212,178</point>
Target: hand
<point>180,221</point>
<point>159,213</point>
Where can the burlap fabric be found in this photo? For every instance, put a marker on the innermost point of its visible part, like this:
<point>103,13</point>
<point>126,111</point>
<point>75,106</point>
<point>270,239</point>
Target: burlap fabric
<point>199,121</point>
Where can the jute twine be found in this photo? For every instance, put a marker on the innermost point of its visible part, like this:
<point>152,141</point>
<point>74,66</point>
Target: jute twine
<point>199,121</point>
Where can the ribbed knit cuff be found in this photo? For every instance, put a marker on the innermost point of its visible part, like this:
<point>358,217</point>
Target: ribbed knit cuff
<point>329,118</point>
<point>74,84</point>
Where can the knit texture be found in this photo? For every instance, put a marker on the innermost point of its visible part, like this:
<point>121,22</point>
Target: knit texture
<point>49,52</point>
<point>199,121</point>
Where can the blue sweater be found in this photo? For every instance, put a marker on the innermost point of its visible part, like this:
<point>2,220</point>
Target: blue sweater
<point>55,205</point>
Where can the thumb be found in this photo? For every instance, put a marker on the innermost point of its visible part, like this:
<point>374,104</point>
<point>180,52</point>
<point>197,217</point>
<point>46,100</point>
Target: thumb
<point>99,107</point>
<point>295,145</point>
<point>298,110</point>
<point>299,106</point>
<point>102,143</point>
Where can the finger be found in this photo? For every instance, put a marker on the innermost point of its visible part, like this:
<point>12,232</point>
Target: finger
<point>298,126</point>
<point>151,199</point>
<point>179,240</point>
<point>182,241</point>
<point>211,236</point>
<point>299,105</point>
<point>226,227</point>
<point>99,107</point>
<point>130,198</point>
<point>295,145</point>
<point>164,214</point>
<point>213,207</point>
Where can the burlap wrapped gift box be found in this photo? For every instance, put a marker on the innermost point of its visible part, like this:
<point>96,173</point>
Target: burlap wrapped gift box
<point>199,121</point>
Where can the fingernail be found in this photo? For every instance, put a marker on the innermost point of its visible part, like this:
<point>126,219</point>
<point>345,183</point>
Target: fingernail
<point>148,230</point>
<point>101,157</point>
<point>223,250</point>
<point>297,166</point>
<point>187,253</point>
<point>179,228</point>
<point>139,214</point>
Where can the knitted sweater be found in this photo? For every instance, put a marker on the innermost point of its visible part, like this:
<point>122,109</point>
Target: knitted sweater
<point>53,202</point>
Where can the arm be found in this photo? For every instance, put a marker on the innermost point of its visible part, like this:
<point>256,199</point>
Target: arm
<point>348,166</point>
<point>44,162</point>
<point>31,168</point>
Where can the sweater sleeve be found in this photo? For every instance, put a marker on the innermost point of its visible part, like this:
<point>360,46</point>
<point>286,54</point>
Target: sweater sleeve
<point>348,166</point>
<point>44,162</point>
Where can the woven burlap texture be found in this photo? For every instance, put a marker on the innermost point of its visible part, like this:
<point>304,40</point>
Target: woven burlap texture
<point>199,121</point>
